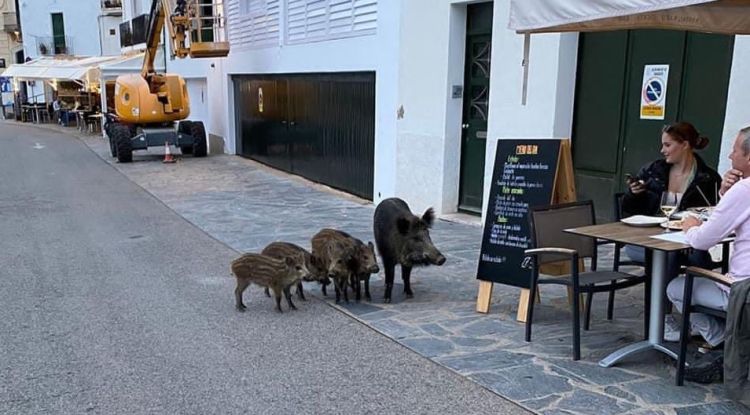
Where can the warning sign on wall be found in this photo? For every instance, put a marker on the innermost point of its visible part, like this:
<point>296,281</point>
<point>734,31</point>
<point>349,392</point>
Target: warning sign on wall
<point>654,92</point>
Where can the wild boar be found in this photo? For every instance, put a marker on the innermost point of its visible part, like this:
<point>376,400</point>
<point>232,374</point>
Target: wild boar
<point>403,238</point>
<point>281,250</point>
<point>334,251</point>
<point>262,270</point>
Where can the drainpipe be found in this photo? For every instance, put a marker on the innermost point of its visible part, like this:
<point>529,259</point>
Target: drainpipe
<point>99,23</point>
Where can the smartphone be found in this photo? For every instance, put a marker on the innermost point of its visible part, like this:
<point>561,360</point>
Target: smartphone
<point>630,179</point>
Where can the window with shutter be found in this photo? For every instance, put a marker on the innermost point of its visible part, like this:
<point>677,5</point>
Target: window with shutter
<point>257,22</point>
<point>253,22</point>
<point>315,20</point>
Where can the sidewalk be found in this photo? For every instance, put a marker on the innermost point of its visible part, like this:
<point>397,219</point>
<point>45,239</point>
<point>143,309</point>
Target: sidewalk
<point>247,205</point>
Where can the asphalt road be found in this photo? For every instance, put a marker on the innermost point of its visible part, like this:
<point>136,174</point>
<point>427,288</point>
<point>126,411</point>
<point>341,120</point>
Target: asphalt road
<point>112,303</point>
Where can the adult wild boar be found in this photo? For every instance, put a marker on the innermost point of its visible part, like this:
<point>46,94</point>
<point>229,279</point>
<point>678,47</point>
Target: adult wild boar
<point>403,238</point>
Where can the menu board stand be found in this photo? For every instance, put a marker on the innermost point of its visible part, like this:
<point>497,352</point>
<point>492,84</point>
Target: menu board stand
<point>527,173</point>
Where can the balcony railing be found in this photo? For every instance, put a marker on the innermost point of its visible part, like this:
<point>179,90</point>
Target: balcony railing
<point>54,45</point>
<point>8,21</point>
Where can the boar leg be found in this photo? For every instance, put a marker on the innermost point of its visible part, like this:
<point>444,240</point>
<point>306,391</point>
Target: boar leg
<point>345,289</point>
<point>389,267</point>
<point>300,293</point>
<point>367,287</point>
<point>354,278</point>
<point>242,283</point>
<point>340,285</point>
<point>268,293</point>
<point>406,276</point>
<point>288,295</point>
<point>277,295</point>
<point>323,285</point>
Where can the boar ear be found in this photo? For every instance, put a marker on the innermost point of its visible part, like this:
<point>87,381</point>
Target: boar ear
<point>403,225</point>
<point>371,246</point>
<point>429,217</point>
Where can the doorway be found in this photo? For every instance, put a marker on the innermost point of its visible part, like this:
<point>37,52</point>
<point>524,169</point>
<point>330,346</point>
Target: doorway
<point>475,106</point>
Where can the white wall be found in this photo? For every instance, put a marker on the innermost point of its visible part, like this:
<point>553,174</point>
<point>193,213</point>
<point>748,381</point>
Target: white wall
<point>738,100</point>
<point>80,21</point>
<point>428,140</point>
<point>198,93</point>
<point>109,27</point>
<point>386,100</point>
<point>548,112</point>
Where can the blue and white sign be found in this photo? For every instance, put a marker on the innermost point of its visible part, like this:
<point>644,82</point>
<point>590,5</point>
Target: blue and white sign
<point>654,92</point>
<point>5,85</point>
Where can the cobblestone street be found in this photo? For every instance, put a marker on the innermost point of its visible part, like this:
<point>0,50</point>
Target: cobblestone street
<point>246,206</point>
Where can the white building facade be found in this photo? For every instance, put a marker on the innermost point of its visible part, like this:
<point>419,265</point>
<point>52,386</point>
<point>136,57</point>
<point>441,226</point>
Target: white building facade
<point>417,51</point>
<point>65,27</point>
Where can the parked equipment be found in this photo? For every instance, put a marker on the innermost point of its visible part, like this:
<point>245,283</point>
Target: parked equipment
<point>151,108</point>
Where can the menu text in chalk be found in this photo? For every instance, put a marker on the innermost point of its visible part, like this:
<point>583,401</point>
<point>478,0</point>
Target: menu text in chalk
<point>523,177</point>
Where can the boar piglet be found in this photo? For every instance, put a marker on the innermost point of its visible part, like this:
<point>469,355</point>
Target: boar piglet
<point>277,274</point>
<point>282,250</point>
<point>364,263</point>
<point>334,251</point>
<point>403,238</point>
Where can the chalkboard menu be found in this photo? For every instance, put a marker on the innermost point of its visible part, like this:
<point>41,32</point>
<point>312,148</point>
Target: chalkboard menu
<point>524,177</point>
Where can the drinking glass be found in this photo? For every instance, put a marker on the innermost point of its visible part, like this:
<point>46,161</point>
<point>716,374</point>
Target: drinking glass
<point>668,205</point>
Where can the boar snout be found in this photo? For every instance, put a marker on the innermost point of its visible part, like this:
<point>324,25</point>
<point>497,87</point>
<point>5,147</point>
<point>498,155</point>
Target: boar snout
<point>374,269</point>
<point>440,260</point>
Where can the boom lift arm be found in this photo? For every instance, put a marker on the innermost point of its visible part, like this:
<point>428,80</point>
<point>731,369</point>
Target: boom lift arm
<point>149,104</point>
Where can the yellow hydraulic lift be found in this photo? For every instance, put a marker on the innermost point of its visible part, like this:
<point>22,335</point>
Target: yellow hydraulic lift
<point>151,108</point>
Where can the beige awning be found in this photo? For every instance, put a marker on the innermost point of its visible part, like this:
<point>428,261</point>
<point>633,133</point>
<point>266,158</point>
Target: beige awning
<point>711,16</point>
<point>546,16</point>
<point>81,69</point>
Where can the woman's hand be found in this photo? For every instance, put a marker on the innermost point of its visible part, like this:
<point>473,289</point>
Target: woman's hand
<point>636,186</point>
<point>731,177</point>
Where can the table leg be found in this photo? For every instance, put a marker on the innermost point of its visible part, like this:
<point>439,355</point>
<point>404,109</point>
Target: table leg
<point>656,319</point>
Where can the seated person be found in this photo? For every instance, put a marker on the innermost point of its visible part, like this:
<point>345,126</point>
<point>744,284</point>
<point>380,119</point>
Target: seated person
<point>681,172</point>
<point>56,107</point>
<point>732,214</point>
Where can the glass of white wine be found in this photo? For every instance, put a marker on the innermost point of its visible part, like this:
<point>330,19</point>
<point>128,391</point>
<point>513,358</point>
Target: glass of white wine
<point>668,205</point>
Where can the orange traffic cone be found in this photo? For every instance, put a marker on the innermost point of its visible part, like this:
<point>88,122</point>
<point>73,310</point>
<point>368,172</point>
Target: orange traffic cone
<point>168,158</point>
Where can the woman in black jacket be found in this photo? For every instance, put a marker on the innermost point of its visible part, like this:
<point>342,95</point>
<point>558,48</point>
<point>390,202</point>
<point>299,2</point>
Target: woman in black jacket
<point>682,173</point>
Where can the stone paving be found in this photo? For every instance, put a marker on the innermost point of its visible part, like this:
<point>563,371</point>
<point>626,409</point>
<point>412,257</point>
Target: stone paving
<point>247,206</point>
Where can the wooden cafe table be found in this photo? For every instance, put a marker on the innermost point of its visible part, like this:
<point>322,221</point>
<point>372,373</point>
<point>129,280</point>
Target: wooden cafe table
<point>641,236</point>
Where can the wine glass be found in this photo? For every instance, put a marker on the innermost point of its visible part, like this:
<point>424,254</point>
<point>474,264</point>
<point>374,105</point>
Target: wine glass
<point>668,205</point>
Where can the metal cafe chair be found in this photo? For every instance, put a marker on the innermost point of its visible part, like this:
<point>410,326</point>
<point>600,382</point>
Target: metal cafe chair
<point>690,274</point>
<point>550,243</point>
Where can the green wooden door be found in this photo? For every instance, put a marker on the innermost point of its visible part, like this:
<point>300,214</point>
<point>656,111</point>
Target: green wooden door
<point>609,137</point>
<point>475,106</point>
<point>58,33</point>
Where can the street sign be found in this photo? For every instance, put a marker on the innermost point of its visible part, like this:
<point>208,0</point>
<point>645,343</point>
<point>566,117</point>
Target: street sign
<point>654,92</point>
